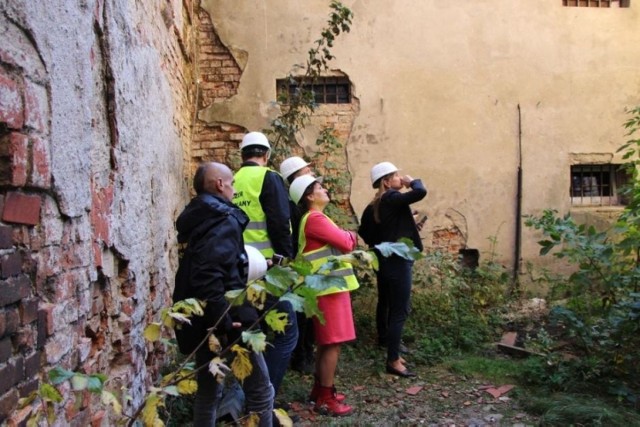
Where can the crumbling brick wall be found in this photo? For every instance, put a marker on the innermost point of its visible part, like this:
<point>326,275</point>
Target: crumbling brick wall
<point>96,108</point>
<point>218,80</point>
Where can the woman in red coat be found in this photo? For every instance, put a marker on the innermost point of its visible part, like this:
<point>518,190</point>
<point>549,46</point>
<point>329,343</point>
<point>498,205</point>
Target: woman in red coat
<point>319,238</point>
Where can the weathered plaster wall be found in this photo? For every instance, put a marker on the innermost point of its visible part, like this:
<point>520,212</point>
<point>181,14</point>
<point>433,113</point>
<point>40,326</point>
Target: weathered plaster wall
<point>95,120</point>
<point>439,84</point>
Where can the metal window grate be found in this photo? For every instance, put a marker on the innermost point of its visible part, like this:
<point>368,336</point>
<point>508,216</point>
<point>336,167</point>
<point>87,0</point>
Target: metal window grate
<point>597,185</point>
<point>325,90</point>
<point>596,3</point>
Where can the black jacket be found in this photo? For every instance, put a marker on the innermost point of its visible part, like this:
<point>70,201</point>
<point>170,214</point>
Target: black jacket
<point>213,261</point>
<point>396,219</point>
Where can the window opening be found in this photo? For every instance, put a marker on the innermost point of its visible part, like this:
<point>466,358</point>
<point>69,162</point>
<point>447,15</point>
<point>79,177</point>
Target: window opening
<point>326,90</point>
<point>598,185</point>
<point>596,3</point>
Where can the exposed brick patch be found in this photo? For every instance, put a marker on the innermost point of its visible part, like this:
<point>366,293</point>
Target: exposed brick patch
<point>45,319</point>
<point>11,321</point>
<point>12,373</point>
<point>28,309</point>
<point>8,402</point>
<point>24,339</point>
<point>14,289</point>
<point>21,208</point>
<point>6,349</point>
<point>449,239</point>
<point>11,106</point>
<point>13,155</point>
<point>41,159</point>
<point>101,201</point>
<point>10,265</point>
<point>6,237</point>
<point>32,364</point>
<point>26,388</point>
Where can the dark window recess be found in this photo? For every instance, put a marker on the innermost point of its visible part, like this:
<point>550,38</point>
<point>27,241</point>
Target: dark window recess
<point>596,3</point>
<point>598,185</point>
<point>326,90</point>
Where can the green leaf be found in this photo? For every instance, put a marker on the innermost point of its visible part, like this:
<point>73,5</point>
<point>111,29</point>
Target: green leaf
<point>79,382</point>
<point>296,301</point>
<point>256,295</point>
<point>171,390</point>
<point>280,279</point>
<point>235,296</point>
<point>153,332</point>
<point>321,282</point>
<point>109,399</point>
<point>404,248</point>
<point>50,393</point>
<point>59,375</point>
<point>257,340</point>
<point>95,383</point>
<point>277,320</point>
<point>301,266</point>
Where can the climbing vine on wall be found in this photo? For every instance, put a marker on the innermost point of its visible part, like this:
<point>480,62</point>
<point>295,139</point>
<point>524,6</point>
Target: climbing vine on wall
<point>297,108</point>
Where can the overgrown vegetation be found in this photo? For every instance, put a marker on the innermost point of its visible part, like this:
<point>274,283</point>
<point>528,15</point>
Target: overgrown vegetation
<point>598,312</point>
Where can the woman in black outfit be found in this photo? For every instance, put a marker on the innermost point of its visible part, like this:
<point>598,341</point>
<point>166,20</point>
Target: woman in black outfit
<point>387,219</point>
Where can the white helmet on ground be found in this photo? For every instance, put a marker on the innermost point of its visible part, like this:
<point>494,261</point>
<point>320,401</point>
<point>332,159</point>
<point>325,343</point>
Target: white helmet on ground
<point>292,165</point>
<point>381,169</point>
<point>300,184</point>
<point>255,138</point>
<point>257,267</point>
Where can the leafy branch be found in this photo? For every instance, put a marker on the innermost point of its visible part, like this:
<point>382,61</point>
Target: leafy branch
<point>298,105</point>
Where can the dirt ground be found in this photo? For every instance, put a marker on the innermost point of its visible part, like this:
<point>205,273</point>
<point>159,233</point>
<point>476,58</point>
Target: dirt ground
<point>435,397</point>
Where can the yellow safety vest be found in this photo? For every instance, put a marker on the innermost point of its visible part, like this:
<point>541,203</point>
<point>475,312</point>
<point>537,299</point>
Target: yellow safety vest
<point>320,256</point>
<point>248,186</point>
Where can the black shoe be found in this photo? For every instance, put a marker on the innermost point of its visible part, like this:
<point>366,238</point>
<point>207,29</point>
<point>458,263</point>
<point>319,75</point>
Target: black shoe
<point>404,374</point>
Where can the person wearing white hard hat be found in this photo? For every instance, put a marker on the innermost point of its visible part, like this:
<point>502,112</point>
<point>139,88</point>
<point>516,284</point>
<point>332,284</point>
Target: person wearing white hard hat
<point>261,194</point>
<point>293,167</point>
<point>212,264</point>
<point>302,359</point>
<point>389,218</point>
<point>319,238</point>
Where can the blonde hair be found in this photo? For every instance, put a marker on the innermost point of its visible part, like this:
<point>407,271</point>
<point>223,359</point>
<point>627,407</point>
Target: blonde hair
<point>382,188</point>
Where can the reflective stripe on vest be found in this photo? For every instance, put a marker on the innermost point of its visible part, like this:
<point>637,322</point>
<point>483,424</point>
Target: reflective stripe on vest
<point>320,256</point>
<point>248,183</point>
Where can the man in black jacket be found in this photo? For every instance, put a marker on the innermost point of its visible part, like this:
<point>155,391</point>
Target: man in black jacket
<point>213,263</point>
<point>262,195</point>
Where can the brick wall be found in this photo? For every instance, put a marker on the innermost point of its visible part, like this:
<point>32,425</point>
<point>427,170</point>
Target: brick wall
<point>219,77</point>
<point>94,124</point>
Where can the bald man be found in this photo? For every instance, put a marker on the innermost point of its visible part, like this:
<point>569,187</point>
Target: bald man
<point>212,264</point>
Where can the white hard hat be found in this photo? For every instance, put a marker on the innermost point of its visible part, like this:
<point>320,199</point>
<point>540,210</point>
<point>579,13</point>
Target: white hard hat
<point>255,138</point>
<point>257,263</point>
<point>300,184</point>
<point>292,165</point>
<point>381,169</point>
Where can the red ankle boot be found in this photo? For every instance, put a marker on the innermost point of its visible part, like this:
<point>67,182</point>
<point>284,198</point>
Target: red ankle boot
<point>326,403</point>
<point>313,396</point>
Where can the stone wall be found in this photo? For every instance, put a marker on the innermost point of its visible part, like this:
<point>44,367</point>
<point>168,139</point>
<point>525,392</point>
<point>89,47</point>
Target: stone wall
<point>96,113</point>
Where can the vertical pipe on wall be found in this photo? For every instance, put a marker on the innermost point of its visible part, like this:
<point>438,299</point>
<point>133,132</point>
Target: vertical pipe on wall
<point>518,233</point>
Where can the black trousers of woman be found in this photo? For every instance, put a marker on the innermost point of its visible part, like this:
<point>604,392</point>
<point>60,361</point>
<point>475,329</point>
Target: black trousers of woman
<point>394,298</point>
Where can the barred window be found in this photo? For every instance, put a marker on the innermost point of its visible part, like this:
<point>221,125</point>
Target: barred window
<point>596,3</point>
<point>598,185</point>
<point>326,90</point>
